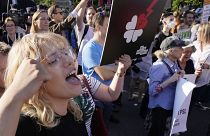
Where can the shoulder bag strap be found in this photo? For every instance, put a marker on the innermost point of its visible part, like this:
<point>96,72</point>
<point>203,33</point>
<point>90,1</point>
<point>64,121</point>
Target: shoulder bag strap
<point>169,69</point>
<point>84,79</point>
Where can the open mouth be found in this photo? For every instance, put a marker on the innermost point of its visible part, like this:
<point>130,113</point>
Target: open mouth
<point>72,78</point>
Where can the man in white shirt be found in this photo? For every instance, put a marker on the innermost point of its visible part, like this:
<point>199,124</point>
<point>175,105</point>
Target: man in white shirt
<point>84,31</point>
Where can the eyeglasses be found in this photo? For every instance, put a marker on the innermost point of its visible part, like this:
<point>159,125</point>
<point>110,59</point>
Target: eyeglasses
<point>58,56</point>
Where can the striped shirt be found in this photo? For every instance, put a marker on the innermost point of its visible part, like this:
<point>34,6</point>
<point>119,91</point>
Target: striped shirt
<point>86,102</point>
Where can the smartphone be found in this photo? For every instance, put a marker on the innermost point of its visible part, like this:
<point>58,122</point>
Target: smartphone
<point>202,64</point>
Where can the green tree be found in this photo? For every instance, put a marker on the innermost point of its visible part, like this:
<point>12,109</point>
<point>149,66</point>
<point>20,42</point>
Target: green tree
<point>44,2</point>
<point>194,3</point>
<point>95,2</point>
<point>175,5</point>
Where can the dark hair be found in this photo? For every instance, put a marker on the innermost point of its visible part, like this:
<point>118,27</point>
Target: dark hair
<point>91,8</point>
<point>188,12</point>
<point>52,10</point>
<point>166,14</point>
<point>98,18</point>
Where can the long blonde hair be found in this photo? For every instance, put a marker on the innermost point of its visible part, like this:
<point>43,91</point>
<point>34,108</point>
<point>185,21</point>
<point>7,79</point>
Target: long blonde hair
<point>161,54</point>
<point>34,27</point>
<point>204,33</point>
<point>31,46</point>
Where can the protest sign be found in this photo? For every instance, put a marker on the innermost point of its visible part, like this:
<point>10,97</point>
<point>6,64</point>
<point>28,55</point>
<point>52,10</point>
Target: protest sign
<point>181,104</point>
<point>190,77</point>
<point>206,11</point>
<point>132,27</point>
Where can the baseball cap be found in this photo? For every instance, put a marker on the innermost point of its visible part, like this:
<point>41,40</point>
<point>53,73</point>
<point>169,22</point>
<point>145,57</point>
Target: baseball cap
<point>171,42</point>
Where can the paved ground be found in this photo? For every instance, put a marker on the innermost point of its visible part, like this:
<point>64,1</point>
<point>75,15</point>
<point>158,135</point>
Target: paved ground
<point>131,124</point>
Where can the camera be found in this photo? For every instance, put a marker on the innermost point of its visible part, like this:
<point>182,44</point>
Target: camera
<point>17,15</point>
<point>20,16</point>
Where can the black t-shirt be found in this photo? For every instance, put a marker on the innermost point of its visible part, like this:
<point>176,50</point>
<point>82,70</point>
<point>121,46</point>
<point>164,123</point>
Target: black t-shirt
<point>158,40</point>
<point>68,126</point>
<point>8,41</point>
<point>189,68</point>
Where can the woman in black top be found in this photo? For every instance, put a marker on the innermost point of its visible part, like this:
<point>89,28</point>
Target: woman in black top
<point>11,35</point>
<point>185,63</point>
<point>43,89</point>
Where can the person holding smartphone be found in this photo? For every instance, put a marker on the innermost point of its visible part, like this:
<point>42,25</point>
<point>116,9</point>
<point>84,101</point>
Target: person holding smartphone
<point>201,59</point>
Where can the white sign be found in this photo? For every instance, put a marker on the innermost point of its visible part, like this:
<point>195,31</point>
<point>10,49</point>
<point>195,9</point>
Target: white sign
<point>131,33</point>
<point>206,11</point>
<point>181,105</point>
<point>190,77</point>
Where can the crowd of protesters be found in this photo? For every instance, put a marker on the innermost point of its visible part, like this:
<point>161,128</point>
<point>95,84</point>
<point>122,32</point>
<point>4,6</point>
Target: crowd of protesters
<point>175,56</point>
<point>51,81</point>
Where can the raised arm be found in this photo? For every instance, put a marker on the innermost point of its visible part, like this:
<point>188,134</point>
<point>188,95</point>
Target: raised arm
<point>112,92</point>
<point>80,16</point>
<point>66,23</point>
<point>83,3</point>
<point>106,72</point>
<point>27,81</point>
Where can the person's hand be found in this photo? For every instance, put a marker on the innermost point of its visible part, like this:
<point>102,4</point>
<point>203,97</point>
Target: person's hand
<point>29,77</point>
<point>198,72</point>
<point>124,63</point>
<point>204,66</point>
<point>181,73</point>
<point>172,79</point>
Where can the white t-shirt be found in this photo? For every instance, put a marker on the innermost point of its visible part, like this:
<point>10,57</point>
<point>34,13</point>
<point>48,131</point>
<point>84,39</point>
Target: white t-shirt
<point>88,36</point>
<point>199,57</point>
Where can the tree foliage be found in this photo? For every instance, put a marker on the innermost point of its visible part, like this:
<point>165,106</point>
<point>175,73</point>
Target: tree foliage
<point>50,2</point>
<point>44,2</point>
<point>177,4</point>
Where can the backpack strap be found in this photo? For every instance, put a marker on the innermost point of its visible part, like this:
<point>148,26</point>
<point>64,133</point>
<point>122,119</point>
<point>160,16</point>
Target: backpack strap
<point>85,32</point>
<point>73,40</point>
<point>169,69</point>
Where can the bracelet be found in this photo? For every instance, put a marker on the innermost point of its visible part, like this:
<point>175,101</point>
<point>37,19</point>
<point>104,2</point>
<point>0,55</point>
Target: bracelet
<point>120,74</point>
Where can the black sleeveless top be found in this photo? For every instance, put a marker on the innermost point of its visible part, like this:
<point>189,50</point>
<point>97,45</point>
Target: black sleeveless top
<point>68,126</point>
<point>189,68</point>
